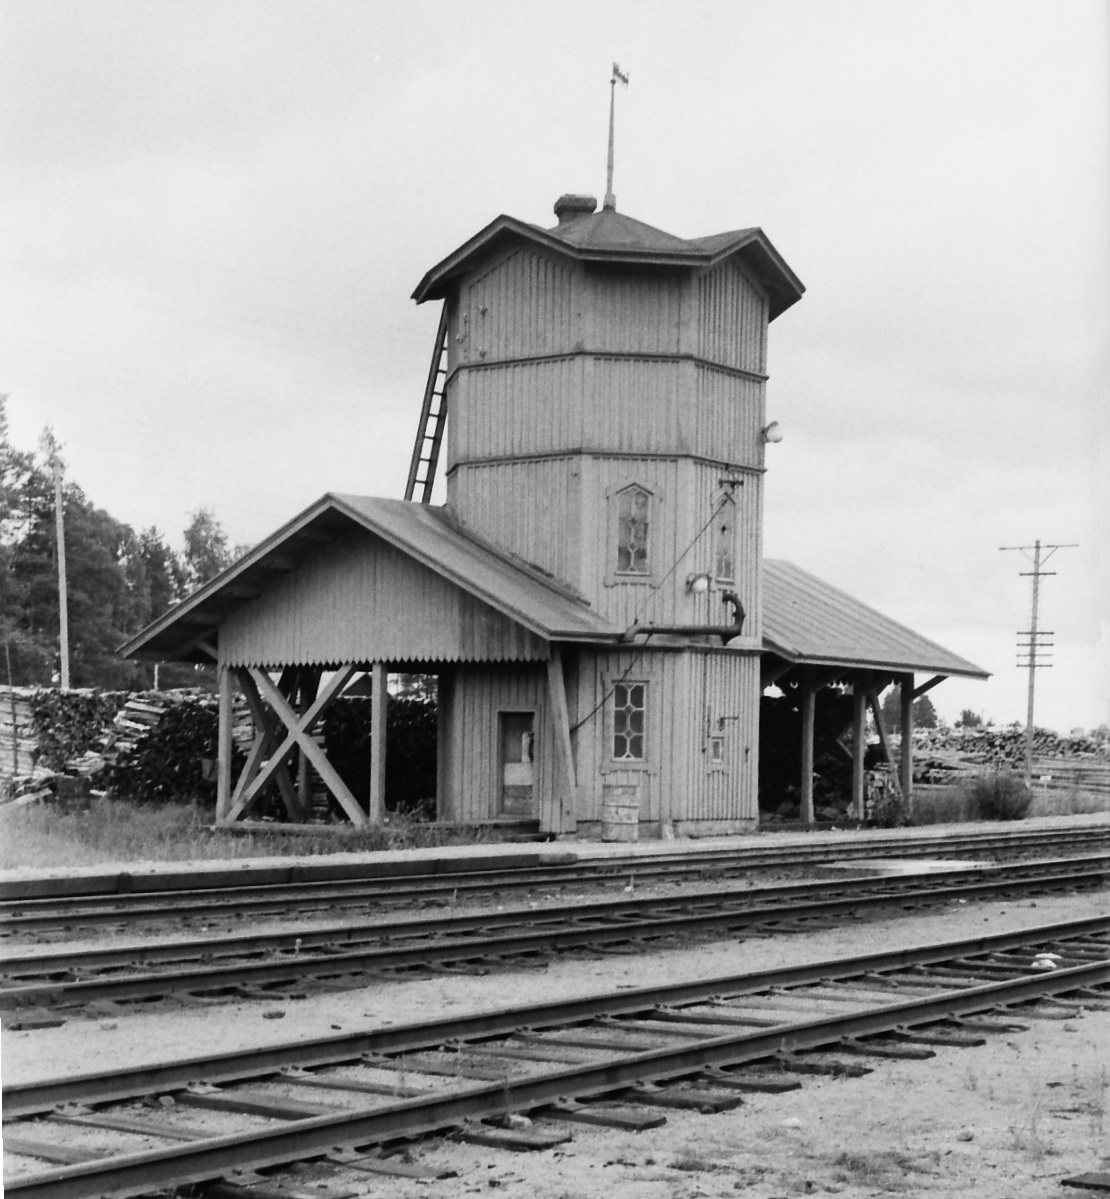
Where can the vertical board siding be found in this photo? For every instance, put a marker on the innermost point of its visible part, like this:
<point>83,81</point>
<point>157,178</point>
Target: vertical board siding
<point>732,319</point>
<point>635,312</point>
<point>361,600</point>
<point>491,499</point>
<point>518,408</point>
<point>730,415</point>
<point>720,703</point>
<point>470,773</point>
<point>520,307</point>
<point>572,538</point>
<point>747,513</point>
<point>688,694</point>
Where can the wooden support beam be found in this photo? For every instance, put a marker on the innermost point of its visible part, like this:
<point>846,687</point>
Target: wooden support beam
<point>379,721</point>
<point>877,715</point>
<point>770,673</point>
<point>809,707</point>
<point>906,695</point>
<point>859,748</point>
<point>297,734</point>
<point>266,742</point>
<point>308,684</point>
<point>937,678</point>
<point>563,817</point>
<point>224,744</point>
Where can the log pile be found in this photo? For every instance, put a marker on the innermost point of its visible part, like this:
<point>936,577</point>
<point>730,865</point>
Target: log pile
<point>46,735</point>
<point>18,742</point>
<point>945,756</point>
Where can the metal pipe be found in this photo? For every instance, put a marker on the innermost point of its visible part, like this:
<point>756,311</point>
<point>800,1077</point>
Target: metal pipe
<point>726,632</point>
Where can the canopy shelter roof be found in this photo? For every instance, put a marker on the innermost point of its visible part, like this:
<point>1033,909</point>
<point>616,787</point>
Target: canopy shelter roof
<point>610,237</point>
<point>415,533</point>
<point>806,620</point>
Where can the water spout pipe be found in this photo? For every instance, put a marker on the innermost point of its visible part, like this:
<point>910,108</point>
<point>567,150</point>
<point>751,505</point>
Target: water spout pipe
<point>726,632</point>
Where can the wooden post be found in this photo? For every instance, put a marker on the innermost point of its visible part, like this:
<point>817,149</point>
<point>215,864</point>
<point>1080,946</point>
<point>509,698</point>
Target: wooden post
<point>905,694</point>
<point>562,817</point>
<point>308,686</point>
<point>859,746</point>
<point>224,743</point>
<point>378,714</point>
<point>809,706</point>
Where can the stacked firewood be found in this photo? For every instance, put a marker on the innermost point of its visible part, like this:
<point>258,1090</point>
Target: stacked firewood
<point>18,743</point>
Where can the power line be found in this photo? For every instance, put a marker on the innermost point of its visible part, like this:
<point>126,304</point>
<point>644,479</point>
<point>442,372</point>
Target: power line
<point>1036,646</point>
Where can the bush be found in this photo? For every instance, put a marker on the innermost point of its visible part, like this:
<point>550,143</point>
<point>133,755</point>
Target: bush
<point>999,796</point>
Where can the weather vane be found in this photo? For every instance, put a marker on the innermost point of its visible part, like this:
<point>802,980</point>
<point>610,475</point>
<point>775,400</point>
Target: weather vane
<point>610,199</point>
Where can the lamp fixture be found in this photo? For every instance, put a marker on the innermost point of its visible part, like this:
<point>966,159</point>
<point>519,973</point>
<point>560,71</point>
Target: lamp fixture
<point>698,584</point>
<point>772,433</point>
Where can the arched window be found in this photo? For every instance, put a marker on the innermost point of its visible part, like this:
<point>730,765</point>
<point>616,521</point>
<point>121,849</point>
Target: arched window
<point>633,529</point>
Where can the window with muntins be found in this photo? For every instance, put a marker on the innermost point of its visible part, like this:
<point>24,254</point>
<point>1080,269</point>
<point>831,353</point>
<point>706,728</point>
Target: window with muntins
<point>629,712</point>
<point>633,506</point>
<point>724,541</point>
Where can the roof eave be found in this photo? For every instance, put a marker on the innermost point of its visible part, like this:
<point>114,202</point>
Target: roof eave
<point>797,656</point>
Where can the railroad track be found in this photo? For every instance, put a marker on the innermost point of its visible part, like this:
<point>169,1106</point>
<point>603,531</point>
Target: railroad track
<point>123,899</point>
<point>621,1058</point>
<point>264,966</point>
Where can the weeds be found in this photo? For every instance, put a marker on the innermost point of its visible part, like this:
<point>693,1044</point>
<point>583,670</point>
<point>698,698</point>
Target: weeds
<point>885,1169</point>
<point>999,795</point>
<point>118,830</point>
<point>690,1160</point>
<point>1027,1136</point>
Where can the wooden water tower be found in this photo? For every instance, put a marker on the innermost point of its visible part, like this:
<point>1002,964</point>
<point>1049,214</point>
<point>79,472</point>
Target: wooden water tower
<point>604,382</point>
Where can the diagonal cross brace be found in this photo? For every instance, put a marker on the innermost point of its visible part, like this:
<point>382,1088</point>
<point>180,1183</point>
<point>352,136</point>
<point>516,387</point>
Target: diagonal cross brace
<point>298,735</point>
<point>266,740</point>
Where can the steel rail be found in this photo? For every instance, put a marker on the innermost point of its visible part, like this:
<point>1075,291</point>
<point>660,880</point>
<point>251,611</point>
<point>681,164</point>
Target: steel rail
<point>296,1139</point>
<point>1084,870</point>
<point>107,1086</point>
<point>116,896</point>
<point>570,934</point>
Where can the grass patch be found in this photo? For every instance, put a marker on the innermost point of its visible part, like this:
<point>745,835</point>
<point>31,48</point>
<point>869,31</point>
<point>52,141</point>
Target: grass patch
<point>937,804</point>
<point>120,830</point>
<point>885,1169</point>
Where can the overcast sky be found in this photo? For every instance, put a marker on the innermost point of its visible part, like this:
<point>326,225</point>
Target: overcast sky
<point>213,215</point>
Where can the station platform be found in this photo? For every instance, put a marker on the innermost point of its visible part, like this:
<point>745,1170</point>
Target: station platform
<point>152,876</point>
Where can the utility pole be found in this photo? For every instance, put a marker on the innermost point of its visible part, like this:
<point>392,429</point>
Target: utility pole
<point>1035,645</point>
<point>63,593</point>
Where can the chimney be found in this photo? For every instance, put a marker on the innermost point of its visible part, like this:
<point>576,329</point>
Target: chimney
<point>570,207</point>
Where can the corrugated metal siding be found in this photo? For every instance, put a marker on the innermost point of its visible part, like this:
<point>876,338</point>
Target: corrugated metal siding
<point>521,306</point>
<point>470,787</point>
<point>732,319</point>
<point>360,600</point>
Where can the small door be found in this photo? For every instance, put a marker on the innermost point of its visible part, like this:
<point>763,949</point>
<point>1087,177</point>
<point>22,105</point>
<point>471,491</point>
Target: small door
<point>518,739</point>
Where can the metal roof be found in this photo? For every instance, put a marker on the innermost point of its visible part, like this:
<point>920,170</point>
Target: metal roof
<point>426,534</point>
<point>611,237</point>
<point>808,620</point>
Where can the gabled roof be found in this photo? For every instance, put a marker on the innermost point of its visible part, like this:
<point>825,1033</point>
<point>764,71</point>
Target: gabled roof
<point>611,237</point>
<point>426,534</point>
<point>808,620</point>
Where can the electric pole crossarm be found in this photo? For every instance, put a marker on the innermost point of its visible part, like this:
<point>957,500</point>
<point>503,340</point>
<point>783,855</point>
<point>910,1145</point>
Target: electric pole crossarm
<point>1034,648</point>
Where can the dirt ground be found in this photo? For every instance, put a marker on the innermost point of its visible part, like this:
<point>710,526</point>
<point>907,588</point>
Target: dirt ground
<point>1009,1119</point>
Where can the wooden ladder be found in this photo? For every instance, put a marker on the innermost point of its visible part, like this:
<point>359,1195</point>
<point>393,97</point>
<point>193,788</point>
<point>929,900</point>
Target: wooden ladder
<point>433,416</point>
